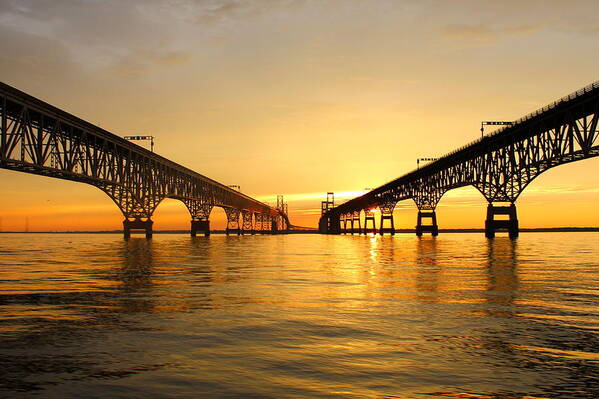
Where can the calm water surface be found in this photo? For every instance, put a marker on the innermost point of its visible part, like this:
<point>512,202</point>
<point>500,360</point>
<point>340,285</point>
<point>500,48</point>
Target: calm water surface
<point>301,316</point>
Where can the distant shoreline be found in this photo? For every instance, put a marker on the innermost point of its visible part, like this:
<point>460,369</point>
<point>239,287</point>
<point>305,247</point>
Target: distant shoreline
<point>523,230</point>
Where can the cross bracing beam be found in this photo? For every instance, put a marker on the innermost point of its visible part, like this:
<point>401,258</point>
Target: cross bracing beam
<point>39,138</point>
<point>499,165</point>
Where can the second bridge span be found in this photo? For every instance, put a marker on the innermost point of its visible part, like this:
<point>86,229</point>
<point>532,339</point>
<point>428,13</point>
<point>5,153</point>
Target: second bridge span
<point>500,166</point>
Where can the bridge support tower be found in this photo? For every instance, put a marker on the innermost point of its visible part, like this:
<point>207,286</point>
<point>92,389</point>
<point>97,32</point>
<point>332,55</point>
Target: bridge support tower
<point>369,217</point>
<point>200,212</point>
<point>356,222</point>
<point>247,225</point>
<point>432,228</point>
<point>387,214</point>
<point>510,224</point>
<point>137,224</point>
<point>232,221</point>
<point>200,226</point>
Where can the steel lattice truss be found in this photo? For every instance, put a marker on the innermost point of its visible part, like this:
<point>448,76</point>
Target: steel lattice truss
<point>501,165</point>
<point>41,139</point>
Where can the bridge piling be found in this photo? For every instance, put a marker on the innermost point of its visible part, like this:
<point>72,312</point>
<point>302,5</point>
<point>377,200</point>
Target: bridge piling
<point>387,208</point>
<point>137,225</point>
<point>356,222</point>
<point>247,222</point>
<point>369,217</point>
<point>200,226</point>
<point>432,228</point>
<point>492,225</point>
<point>232,221</point>
<point>384,229</point>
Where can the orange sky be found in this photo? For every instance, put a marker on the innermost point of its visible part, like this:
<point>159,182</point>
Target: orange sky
<point>298,97</point>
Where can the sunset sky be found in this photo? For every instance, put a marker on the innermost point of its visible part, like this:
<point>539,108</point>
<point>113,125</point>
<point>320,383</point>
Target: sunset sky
<point>298,97</point>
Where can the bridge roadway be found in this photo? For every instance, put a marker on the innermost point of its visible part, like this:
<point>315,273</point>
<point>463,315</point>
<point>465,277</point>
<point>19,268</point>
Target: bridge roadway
<point>499,165</point>
<point>41,139</point>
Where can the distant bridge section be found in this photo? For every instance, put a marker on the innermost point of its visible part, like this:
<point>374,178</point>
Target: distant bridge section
<point>499,165</point>
<point>41,139</point>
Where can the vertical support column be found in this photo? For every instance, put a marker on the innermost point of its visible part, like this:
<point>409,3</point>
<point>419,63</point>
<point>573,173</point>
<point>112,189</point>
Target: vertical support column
<point>232,220</point>
<point>432,228</point>
<point>510,224</point>
<point>247,225</point>
<point>387,214</point>
<point>200,212</point>
<point>257,223</point>
<point>200,226</point>
<point>356,222</point>
<point>369,217</point>
<point>334,221</point>
<point>137,224</point>
<point>137,203</point>
<point>266,224</point>
<point>391,228</point>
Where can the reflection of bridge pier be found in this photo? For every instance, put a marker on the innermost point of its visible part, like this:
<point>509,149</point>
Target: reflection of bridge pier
<point>429,272</point>
<point>503,282</point>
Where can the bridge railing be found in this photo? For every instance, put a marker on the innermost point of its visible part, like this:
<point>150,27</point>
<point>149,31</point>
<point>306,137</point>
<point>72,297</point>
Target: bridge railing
<point>531,115</point>
<point>526,117</point>
<point>383,188</point>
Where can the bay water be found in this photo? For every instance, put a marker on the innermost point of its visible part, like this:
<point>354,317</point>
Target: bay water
<point>299,316</point>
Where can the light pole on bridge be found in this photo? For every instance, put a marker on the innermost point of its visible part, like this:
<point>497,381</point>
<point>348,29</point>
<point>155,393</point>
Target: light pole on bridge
<point>150,138</point>
<point>492,123</point>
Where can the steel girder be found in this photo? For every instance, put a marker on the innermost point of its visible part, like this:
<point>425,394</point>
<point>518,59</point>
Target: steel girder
<point>501,165</point>
<point>41,139</point>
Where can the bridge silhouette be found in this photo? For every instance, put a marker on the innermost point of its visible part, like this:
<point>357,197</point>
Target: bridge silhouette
<point>41,139</point>
<point>499,165</point>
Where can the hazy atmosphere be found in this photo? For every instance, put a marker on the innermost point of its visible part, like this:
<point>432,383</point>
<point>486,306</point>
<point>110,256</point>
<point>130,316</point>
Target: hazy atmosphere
<point>298,97</point>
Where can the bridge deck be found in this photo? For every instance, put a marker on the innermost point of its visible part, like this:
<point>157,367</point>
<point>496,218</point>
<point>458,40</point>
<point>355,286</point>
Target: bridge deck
<point>560,114</point>
<point>51,124</point>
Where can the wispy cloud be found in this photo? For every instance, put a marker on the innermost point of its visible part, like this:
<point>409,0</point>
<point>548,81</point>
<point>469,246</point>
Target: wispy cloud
<point>484,35</point>
<point>141,62</point>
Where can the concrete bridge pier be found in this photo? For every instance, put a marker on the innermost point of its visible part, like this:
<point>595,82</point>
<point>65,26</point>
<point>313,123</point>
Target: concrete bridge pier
<point>200,226</point>
<point>432,228</point>
<point>391,228</point>
<point>334,224</point>
<point>387,208</point>
<point>232,221</point>
<point>369,217</point>
<point>136,225</point>
<point>247,222</point>
<point>356,222</point>
<point>200,212</point>
<point>510,223</point>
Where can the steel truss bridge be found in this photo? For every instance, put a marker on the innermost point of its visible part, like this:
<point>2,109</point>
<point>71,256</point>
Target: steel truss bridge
<point>44,140</point>
<point>499,165</point>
